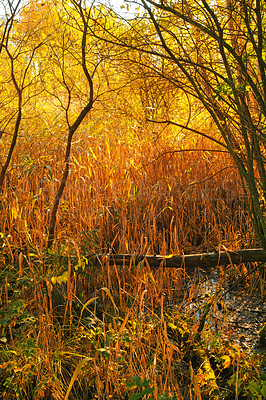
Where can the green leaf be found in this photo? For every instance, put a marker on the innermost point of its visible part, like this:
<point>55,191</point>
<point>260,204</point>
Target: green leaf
<point>49,169</point>
<point>164,396</point>
<point>231,381</point>
<point>148,390</point>
<point>131,385</point>
<point>263,389</point>
<point>146,382</point>
<point>253,387</point>
<point>135,396</point>
<point>136,378</point>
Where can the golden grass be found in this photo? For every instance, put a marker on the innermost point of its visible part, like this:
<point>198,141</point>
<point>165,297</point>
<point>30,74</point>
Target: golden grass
<point>86,336</point>
<point>140,197</point>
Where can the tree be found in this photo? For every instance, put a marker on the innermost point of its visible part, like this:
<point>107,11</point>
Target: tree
<point>17,77</point>
<point>214,52</point>
<point>66,81</point>
<point>53,64</point>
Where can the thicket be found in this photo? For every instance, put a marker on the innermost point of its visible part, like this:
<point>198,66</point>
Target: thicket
<point>72,326</point>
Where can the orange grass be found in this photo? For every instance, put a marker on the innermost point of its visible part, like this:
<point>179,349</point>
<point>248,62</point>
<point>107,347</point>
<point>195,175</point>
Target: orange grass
<point>139,196</point>
<point>86,337</point>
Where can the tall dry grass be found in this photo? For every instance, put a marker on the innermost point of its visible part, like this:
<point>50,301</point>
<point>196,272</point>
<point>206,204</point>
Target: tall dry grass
<point>71,329</point>
<point>139,196</point>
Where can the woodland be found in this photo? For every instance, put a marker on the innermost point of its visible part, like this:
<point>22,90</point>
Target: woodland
<point>130,138</point>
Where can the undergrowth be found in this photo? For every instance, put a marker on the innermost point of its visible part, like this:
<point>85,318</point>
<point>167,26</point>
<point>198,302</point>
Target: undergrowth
<point>73,326</point>
<point>73,329</point>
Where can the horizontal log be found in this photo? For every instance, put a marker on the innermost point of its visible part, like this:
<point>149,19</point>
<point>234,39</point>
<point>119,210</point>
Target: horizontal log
<point>204,260</point>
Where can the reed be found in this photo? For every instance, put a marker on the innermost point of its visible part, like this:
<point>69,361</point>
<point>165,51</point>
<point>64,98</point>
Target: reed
<point>139,197</point>
<point>75,330</point>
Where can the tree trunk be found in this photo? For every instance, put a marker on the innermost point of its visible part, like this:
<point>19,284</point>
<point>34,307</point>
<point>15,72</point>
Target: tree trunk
<point>204,260</point>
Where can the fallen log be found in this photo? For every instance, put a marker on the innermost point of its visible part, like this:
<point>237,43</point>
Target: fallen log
<point>204,260</point>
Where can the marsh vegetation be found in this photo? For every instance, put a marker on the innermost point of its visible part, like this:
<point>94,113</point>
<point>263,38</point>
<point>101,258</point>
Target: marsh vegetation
<point>106,149</point>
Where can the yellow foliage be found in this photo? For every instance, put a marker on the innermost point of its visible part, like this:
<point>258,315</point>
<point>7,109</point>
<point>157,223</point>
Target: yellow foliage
<point>200,377</point>
<point>60,279</point>
<point>227,361</point>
